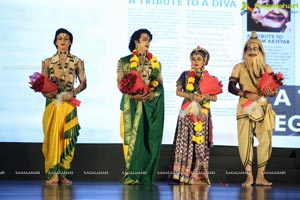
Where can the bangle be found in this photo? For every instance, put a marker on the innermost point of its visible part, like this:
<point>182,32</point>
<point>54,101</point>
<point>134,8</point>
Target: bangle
<point>245,93</point>
<point>74,93</point>
<point>241,93</point>
<point>207,97</point>
<point>191,96</point>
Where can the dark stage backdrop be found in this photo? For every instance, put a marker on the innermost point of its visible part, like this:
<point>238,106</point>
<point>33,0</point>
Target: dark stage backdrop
<point>104,162</point>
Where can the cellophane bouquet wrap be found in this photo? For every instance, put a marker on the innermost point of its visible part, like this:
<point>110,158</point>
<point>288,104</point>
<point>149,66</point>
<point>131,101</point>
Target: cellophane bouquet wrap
<point>132,83</point>
<point>40,83</point>
<point>272,80</point>
<point>210,85</point>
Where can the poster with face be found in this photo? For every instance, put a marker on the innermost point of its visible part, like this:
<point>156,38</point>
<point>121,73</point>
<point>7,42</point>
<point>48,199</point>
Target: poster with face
<point>269,15</point>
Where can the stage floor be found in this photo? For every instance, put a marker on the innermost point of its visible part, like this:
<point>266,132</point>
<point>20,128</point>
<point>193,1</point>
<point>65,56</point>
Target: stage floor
<point>35,189</point>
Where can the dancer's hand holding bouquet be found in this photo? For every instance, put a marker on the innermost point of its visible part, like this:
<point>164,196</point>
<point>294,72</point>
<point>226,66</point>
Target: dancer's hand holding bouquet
<point>270,82</point>
<point>197,110</point>
<point>210,85</point>
<point>132,84</point>
<point>40,83</point>
<point>267,86</point>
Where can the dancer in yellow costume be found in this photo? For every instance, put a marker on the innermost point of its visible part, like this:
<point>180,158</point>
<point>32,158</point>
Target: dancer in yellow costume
<point>259,124</point>
<point>60,122</point>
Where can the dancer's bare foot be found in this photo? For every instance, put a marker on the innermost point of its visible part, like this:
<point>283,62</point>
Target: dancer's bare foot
<point>248,182</point>
<point>262,182</point>
<point>53,180</point>
<point>204,175</point>
<point>260,179</point>
<point>204,181</point>
<point>65,181</point>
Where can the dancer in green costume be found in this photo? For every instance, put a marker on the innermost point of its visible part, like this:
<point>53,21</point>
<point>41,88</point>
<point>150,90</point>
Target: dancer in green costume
<point>142,114</point>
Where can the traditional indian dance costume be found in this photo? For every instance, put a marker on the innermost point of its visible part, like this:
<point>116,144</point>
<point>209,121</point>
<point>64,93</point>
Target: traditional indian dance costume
<point>190,158</point>
<point>259,123</point>
<point>60,121</point>
<point>141,128</point>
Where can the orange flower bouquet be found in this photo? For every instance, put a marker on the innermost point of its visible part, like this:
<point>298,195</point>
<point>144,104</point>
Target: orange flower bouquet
<point>132,84</point>
<point>40,83</point>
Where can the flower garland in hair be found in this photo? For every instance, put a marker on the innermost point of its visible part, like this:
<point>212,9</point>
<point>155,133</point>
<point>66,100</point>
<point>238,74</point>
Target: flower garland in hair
<point>134,62</point>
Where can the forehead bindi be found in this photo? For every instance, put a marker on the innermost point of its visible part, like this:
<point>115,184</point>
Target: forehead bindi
<point>63,36</point>
<point>197,56</point>
<point>145,37</point>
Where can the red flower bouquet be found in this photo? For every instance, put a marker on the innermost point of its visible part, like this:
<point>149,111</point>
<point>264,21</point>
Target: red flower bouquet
<point>40,83</point>
<point>197,112</point>
<point>272,80</point>
<point>132,84</point>
<point>253,108</point>
<point>210,85</point>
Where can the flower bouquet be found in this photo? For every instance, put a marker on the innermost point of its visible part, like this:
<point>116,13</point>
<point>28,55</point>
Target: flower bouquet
<point>132,84</point>
<point>210,85</point>
<point>40,83</point>
<point>272,80</point>
<point>197,112</point>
